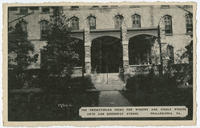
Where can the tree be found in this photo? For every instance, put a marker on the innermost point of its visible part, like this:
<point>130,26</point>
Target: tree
<point>59,56</point>
<point>19,51</point>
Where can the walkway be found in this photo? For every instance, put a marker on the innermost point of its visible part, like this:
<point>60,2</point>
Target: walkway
<point>107,82</point>
<point>112,98</point>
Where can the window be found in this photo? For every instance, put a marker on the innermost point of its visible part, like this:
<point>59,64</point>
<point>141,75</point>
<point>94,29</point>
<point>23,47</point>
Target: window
<point>45,9</point>
<point>136,21</point>
<point>12,8</point>
<point>134,6</point>
<point>114,6</point>
<point>189,23</point>
<point>43,29</point>
<point>168,24</point>
<point>95,6</point>
<point>74,23</point>
<point>170,53</point>
<point>34,8</point>
<point>104,6</point>
<point>187,6</point>
<point>164,6</point>
<point>23,11</point>
<point>57,10</point>
<point>92,22</point>
<point>74,7</point>
<point>118,21</point>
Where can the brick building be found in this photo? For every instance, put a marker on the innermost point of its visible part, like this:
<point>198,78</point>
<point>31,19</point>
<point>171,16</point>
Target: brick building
<point>114,37</point>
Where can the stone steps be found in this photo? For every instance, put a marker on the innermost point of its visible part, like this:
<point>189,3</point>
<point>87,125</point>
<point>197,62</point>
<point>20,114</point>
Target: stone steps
<point>106,78</point>
<point>110,81</point>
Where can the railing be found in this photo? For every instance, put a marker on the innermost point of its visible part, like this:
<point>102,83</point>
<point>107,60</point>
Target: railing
<point>143,69</point>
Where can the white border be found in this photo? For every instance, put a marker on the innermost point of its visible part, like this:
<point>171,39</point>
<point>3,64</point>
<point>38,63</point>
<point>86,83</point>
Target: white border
<point>198,49</point>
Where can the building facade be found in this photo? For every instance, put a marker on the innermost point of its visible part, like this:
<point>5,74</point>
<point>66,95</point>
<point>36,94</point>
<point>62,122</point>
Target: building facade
<point>113,37</point>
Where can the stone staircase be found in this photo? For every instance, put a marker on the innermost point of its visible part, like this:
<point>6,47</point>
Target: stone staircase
<point>107,81</point>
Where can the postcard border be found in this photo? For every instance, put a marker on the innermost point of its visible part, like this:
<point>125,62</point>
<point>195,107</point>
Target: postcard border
<point>92,123</point>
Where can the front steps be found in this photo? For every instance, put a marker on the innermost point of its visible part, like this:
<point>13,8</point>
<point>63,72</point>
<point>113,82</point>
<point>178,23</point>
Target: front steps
<point>107,81</point>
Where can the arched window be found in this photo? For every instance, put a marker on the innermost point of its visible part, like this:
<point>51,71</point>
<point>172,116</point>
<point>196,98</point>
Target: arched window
<point>168,24</point>
<point>92,22</point>
<point>118,21</point>
<point>136,21</point>
<point>43,29</point>
<point>189,23</point>
<point>74,23</point>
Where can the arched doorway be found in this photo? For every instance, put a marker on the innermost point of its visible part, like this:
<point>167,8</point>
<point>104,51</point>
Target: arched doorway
<point>140,49</point>
<point>106,55</point>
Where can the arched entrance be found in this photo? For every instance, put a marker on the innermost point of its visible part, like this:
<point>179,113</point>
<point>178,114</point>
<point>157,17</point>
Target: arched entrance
<point>106,55</point>
<point>140,49</point>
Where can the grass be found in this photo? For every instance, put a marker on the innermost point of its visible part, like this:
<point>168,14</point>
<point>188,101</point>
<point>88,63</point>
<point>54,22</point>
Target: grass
<point>57,99</point>
<point>49,107</point>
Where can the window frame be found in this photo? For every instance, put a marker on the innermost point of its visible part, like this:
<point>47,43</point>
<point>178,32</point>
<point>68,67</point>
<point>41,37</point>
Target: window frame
<point>165,6</point>
<point>189,23</point>
<point>74,23</point>
<point>23,12</point>
<point>43,11</point>
<point>136,21</point>
<point>43,32</point>
<point>170,53</point>
<point>118,21</point>
<point>168,25</point>
<point>90,20</point>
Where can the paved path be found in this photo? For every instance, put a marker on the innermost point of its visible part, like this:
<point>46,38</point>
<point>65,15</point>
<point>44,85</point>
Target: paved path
<point>112,98</point>
<point>109,87</point>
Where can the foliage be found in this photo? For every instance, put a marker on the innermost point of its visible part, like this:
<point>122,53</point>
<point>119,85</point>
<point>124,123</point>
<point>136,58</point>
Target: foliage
<point>184,72</point>
<point>59,55</point>
<point>150,82</point>
<point>20,52</point>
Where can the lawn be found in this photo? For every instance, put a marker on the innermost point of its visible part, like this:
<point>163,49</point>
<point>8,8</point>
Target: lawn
<point>49,107</point>
<point>56,99</point>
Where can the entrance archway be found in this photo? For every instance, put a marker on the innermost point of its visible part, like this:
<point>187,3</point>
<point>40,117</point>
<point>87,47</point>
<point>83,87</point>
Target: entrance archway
<point>106,55</point>
<point>139,49</point>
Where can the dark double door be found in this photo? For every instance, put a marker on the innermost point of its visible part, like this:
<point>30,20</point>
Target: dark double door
<point>107,57</point>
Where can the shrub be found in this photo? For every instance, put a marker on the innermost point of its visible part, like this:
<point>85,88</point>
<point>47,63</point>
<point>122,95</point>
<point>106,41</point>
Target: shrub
<point>150,82</point>
<point>64,84</point>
